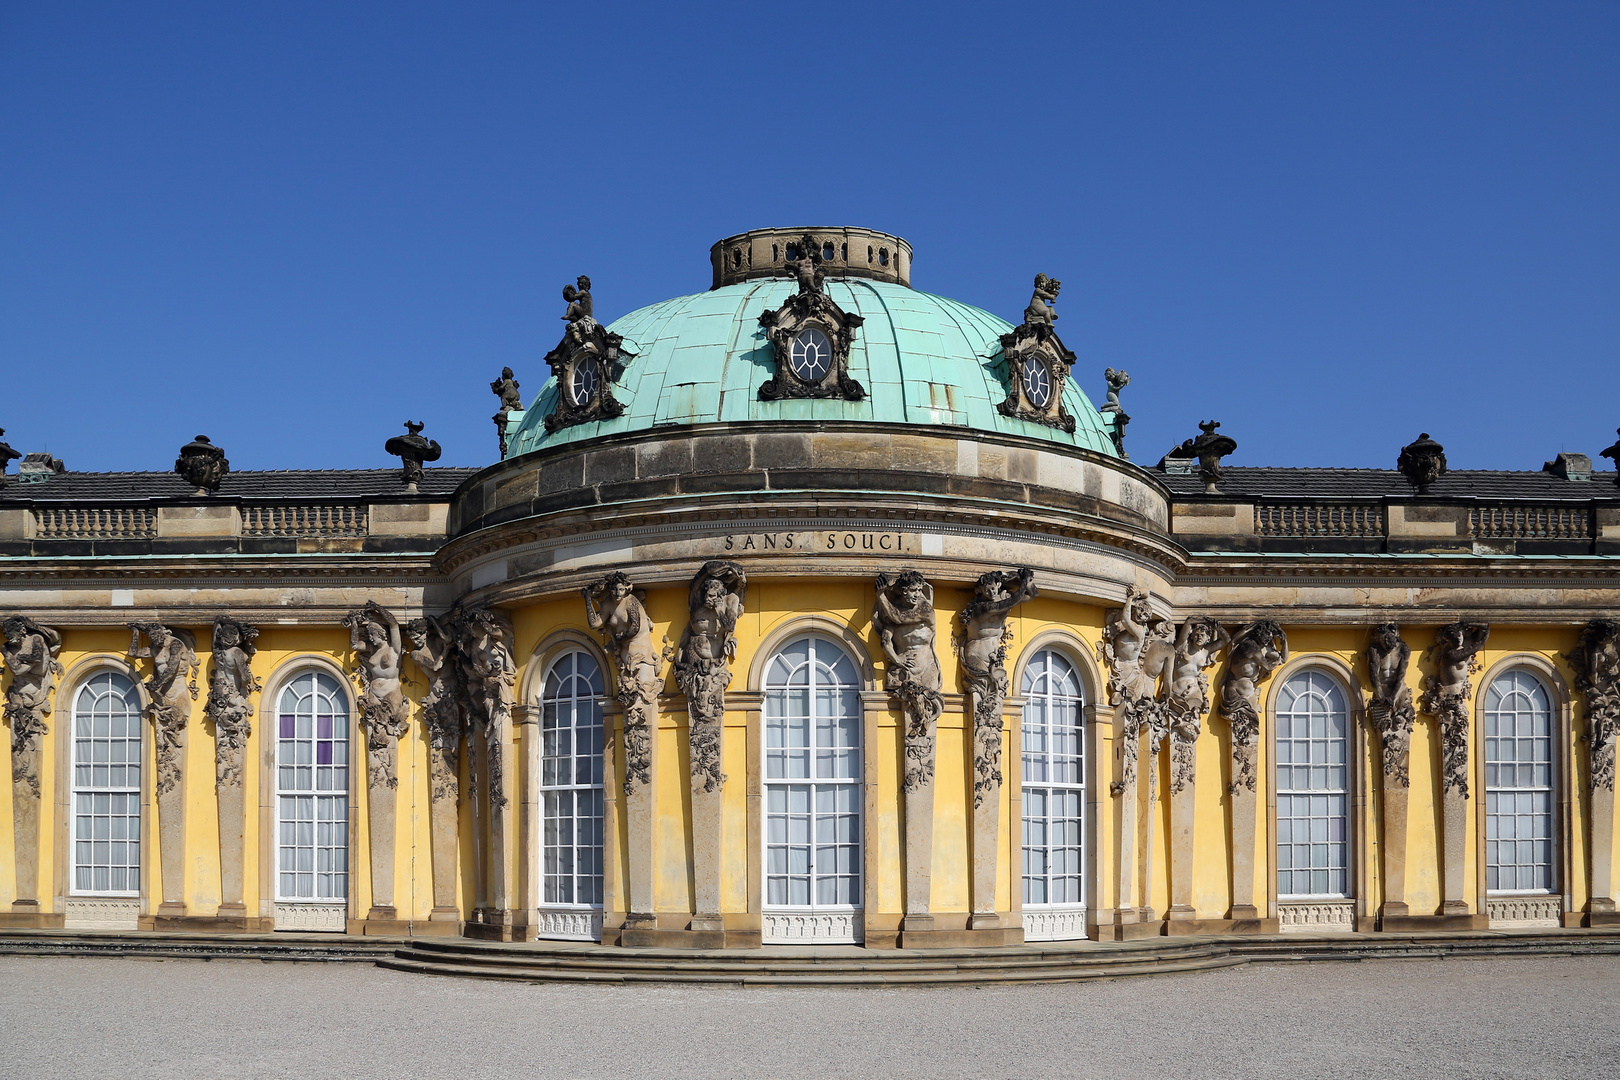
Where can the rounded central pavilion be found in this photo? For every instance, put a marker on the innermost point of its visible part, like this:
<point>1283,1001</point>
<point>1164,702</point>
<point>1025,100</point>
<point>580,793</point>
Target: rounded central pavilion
<point>798,569</point>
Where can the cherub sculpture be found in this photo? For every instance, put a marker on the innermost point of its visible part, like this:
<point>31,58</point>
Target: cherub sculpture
<point>806,269</point>
<point>983,650</point>
<point>701,671</point>
<point>580,308</point>
<point>904,620</point>
<point>1039,312</point>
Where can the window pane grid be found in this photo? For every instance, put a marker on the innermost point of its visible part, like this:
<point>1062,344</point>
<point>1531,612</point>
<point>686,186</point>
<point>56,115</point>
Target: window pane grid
<point>813,788</point>
<point>571,740</point>
<point>107,787</point>
<point>1518,785</point>
<point>312,790</point>
<point>1313,788</point>
<point>1053,764</point>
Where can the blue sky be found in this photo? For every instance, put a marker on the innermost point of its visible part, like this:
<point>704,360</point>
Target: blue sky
<point>292,226</point>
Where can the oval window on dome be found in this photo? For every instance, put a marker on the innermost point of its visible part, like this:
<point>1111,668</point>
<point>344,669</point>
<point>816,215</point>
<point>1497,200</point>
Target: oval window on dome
<point>1037,379</point>
<point>811,355</point>
<point>584,382</point>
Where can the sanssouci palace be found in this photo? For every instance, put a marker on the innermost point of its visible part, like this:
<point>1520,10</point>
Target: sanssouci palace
<point>810,609</point>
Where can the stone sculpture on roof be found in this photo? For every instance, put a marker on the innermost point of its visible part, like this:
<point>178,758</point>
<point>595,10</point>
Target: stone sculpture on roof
<point>1207,448</point>
<point>413,449</point>
<point>505,388</point>
<point>1422,462</point>
<point>1117,380</point>
<point>1612,453</point>
<point>586,364</point>
<point>202,465</point>
<point>1038,363</point>
<point>810,337</point>
<point>7,456</point>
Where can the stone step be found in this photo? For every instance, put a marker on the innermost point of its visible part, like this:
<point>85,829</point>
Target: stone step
<point>770,977</point>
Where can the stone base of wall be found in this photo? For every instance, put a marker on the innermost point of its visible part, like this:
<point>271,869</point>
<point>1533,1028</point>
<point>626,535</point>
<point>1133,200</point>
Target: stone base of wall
<point>1317,917</point>
<point>1524,912</point>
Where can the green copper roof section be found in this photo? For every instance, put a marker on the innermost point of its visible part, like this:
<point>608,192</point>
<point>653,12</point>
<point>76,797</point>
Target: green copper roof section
<point>922,358</point>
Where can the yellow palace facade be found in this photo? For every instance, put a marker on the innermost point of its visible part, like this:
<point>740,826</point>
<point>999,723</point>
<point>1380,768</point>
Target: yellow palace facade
<point>810,609</point>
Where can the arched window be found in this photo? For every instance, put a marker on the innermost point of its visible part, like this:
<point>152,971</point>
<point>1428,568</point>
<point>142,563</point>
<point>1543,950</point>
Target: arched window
<point>812,789</point>
<point>571,790</point>
<point>1518,785</point>
<point>107,787</point>
<point>1054,772</point>
<point>1313,788</point>
<point>312,791</point>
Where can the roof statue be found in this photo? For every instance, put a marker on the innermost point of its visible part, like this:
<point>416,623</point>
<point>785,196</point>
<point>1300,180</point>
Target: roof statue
<point>505,388</point>
<point>412,449</point>
<point>1422,462</point>
<point>578,296</point>
<point>1117,380</point>
<point>202,465</point>
<point>1613,454</point>
<point>811,336</point>
<point>7,456</point>
<point>1038,363</point>
<point>1039,312</point>
<point>1208,448</point>
<point>585,364</point>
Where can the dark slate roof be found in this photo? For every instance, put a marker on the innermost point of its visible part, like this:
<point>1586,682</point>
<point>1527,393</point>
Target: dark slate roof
<point>1249,482</point>
<point>300,484</point>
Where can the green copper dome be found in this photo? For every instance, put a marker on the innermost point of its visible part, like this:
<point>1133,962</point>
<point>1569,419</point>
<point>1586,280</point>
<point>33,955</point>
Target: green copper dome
<point>923,359</point>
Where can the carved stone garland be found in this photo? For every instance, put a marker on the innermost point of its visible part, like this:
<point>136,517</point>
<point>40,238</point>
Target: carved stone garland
<point>30,653</point>
<point>1038,363</point>
<point>586,363</point>
<point>810,337</point>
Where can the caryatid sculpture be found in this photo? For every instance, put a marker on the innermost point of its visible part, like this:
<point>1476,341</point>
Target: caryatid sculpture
<point>487,641</point>
<point>433,648</point>
<point>1596,660</point>
<point>984,655</point>
<point>29,651</point>
<point>170,692</point>
<point>1197,644</point>
<point>617,610</point>
<point>904,620</point>
<point>701,668</point>
<point>1446,696</point>
<point>230,684</point>
<point>379,655</point>
<point>1138,647</point>
<point>374,637</point>
<point>1390,709</point>
<point>1256,651</point>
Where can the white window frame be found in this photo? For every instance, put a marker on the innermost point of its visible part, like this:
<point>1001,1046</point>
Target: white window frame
<point>572,919</point>
<point>1063,919</point>
<point>335,690</point>
<point>1490,769</point>
<point>1318,684</point>
<point>815,922</point>
<point>127,793</point>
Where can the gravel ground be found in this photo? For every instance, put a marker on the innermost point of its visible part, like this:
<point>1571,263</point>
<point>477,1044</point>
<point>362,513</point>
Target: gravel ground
<point>179,1019</point>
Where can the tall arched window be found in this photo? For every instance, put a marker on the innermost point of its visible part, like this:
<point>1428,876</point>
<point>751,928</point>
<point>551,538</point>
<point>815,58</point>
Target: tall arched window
<point>107,787</point>
<point>812,793</point>
<point>312,791</point>
<point>1518,785</point>
<point>1054,772</point>
<point>571,794</point>
<point>1313,788</point>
